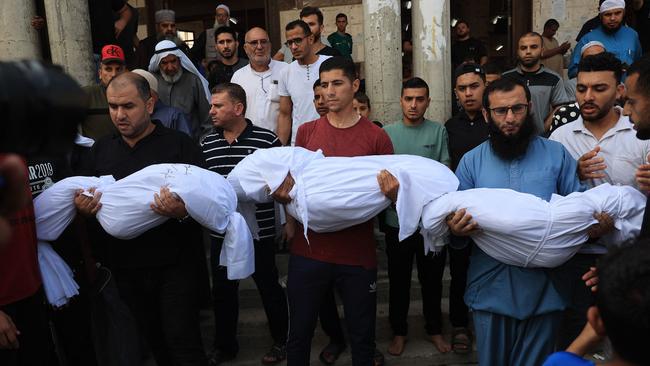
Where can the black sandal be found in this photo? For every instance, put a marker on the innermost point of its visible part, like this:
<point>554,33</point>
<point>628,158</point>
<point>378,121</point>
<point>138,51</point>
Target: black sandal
<point>331,353</point>
<point>461,341</point>
<point>276,354</point>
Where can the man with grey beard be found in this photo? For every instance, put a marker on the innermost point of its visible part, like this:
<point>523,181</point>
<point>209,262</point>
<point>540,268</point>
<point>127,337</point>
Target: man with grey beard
<point>165,29</point>
<point>181,85</point>
<point>204,50</point>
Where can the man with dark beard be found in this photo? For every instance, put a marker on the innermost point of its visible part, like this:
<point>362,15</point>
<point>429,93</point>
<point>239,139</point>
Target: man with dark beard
<point>222,70</point>
<point>516,310</point>
<point>604,143</point>
<point>617,37</point>
<point>546,87</point>
<point>637,107</point>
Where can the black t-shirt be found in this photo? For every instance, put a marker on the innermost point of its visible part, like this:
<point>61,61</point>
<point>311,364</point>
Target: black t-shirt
<point>102,23</point>
<point>164,244</point>
<point>643,26</point>
<point>222,73</point>
<point>329,51</point>
<point>470,49</point>
<point>464,134</point>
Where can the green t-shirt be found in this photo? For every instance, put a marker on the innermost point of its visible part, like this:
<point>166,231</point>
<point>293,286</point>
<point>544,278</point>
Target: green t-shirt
<point>429,140</point>
<point>343,43</point>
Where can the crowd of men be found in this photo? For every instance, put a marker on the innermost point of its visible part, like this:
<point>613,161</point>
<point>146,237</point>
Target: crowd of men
<point>529,129</point>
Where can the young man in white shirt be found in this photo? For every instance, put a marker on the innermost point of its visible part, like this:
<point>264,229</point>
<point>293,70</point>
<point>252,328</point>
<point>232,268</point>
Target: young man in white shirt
<point>296,84</point>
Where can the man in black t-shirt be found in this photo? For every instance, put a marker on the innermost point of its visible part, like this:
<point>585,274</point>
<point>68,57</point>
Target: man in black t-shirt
<point>158,272</point>
<point>222,69</point>
<point>466,48</point>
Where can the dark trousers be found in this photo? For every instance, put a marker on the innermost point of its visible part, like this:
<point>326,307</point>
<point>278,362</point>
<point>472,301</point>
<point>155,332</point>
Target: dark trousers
<point>165,304</point>
<point>458,264</point>
<point>309,282</point>
<point>575,316</point>
<point>430,269</point>
<point>226,297</point>
<point>29,316</point>
<point>329,318</point>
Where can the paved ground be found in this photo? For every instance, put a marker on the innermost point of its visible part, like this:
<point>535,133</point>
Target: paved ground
<point>255,339</point>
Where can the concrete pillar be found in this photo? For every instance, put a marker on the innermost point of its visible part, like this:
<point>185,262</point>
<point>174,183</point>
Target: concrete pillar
<point>18,40</point>
<point>432,54</point>
<point>68,26</point>
<point>383,57</point>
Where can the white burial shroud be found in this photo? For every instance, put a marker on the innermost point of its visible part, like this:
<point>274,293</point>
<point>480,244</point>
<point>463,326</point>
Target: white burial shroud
<point>334,193</point>
<point>126,212</point>
<point>523,230</point>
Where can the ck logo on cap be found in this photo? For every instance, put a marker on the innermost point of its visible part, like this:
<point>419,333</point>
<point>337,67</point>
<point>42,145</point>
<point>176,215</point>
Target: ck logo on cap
<point>114,51</point>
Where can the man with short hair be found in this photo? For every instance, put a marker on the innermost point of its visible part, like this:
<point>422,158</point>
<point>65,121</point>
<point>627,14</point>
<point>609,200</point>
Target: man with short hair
<point>516,310</point>
<point>616,36</point>
<point>204,50</point>
<point>260,79</point>
<point>314,19</point>
<point>180,85</point>
<point>604,143</point>
<point>553,51</point>
<point>341,40</point>
<point>98,121</point>
<point>546,87</point>
<point>492,72</point>
<point>620,311</point>
<point>222,69</point>
<point>295,86</point>
<point>157,273</point>
<point>320,99</point>
<point>414,135</point>
<point>466,130</point>
<point>637,107</point>
<point>170,117</point>
<point>466,48</point>
<point>347,258</point>
<point>232,138</point>
<point>165,29</point>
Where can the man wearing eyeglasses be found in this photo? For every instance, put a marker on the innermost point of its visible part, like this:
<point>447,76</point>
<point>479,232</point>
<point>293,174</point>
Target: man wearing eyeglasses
<point>604,142</point>
<point>260,79</point>
<point>295,85</point>
<point>517,311</point>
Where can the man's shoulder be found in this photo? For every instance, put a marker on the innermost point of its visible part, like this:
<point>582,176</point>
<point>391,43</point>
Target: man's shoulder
<point>433,125</point>
<point>564,132</point>
<point>242,73</point>
<point>264,134</point>
<point>548,146</point>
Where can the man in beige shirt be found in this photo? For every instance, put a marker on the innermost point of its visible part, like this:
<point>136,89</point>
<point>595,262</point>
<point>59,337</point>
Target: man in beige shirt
<point>553,51</point>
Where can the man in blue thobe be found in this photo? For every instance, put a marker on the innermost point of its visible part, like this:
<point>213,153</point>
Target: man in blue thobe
<point>517,311</point>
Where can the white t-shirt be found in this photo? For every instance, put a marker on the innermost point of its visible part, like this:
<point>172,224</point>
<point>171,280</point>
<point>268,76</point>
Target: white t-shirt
<point>297,82</point>
<point>622,150</point>
<point>262,98</point>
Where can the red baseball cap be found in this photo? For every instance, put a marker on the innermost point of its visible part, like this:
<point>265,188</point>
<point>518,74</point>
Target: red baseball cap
<point>112,53</point>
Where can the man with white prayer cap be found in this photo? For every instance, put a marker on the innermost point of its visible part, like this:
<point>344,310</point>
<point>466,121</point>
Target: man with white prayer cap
<point>170,117</point>
<point>181,85</point>
<point>204,48</point>
<point>613,33</point>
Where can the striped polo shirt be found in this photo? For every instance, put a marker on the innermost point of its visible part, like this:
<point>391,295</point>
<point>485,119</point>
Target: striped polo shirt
<point>221,157</point>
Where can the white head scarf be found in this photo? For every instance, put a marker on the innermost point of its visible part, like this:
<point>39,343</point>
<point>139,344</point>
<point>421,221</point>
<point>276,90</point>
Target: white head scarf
<point>166,48</point>
<point>612,4</point>
<point>224,7</point>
